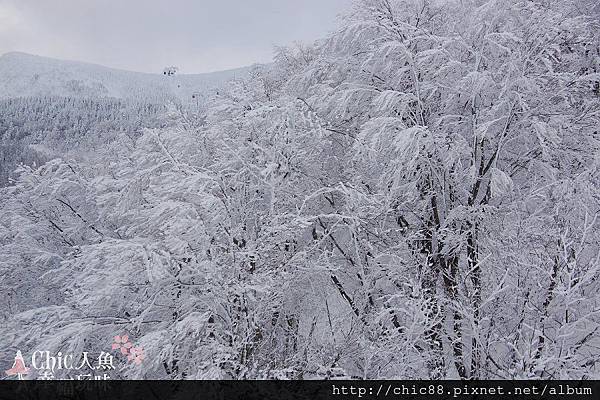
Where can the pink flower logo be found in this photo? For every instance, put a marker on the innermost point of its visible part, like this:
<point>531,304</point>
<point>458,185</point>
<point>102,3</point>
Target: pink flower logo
<point>136,354</point>
<point>122,342</point>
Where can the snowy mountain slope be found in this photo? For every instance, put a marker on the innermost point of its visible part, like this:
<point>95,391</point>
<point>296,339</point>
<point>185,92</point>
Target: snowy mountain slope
<point>25,75</point>
<point>73,106</point>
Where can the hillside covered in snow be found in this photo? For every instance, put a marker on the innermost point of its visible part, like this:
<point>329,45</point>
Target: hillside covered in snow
<point>25,75</point>
<point>50,107</point>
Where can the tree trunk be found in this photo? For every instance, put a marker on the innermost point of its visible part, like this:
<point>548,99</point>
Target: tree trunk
<point>475,274</point>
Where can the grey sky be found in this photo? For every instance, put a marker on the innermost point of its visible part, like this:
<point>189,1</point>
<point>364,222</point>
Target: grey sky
<point>146,35</point>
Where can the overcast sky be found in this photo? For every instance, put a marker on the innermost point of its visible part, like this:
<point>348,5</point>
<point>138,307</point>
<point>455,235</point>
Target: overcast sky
<point>147,35</point>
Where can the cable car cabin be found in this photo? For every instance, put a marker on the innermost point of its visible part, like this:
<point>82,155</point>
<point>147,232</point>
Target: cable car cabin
<point>170,71</point>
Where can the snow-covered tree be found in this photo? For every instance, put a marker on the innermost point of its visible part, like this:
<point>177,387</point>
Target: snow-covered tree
<point>415,196</point>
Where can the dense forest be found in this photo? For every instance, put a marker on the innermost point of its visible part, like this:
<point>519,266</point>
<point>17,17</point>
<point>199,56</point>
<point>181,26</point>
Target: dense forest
<point>34,129</point>
<point>415,196</point>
